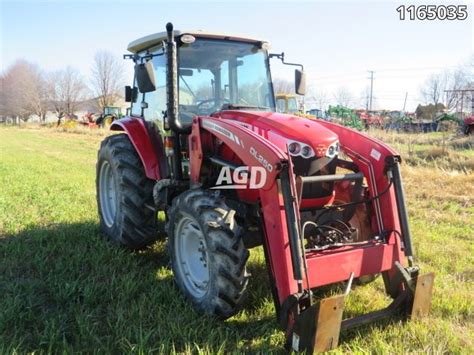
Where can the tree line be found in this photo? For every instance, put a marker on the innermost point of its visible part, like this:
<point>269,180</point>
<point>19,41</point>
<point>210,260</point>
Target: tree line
<point>26,90</point>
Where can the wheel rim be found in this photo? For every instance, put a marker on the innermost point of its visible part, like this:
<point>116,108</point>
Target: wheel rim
<point>107,194</point>
<point>191,256</point>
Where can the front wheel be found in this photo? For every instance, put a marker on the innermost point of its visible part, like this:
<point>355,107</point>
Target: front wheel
<point>207,252</point>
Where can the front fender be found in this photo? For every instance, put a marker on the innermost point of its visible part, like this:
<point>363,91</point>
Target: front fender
<point>147,146</point>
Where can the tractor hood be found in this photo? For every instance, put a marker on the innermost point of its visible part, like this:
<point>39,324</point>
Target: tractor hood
<point>282,128</point>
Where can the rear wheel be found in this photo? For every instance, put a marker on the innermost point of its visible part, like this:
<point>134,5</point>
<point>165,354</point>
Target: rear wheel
<point>124,195</point>
<point>207,253</point>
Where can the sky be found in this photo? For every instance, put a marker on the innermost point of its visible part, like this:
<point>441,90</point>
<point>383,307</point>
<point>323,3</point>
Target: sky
<point>338,42</point>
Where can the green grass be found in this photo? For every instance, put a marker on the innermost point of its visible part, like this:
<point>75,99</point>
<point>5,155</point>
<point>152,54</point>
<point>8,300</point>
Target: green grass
<point>63,288</point>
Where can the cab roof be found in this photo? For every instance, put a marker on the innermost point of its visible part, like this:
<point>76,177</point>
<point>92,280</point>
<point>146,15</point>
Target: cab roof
<point>156,38</point>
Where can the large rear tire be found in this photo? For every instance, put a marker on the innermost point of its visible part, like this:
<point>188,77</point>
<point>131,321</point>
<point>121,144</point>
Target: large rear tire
<point>207,252</point>
<point>124,195</point>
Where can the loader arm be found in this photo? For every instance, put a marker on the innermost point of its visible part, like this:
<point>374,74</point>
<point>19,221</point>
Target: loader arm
<point>317,327</point>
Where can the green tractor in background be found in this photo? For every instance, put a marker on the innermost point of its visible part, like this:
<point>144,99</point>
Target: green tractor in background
<point>109,115</point>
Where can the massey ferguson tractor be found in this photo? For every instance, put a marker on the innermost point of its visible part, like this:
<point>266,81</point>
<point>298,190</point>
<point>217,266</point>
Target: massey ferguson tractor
<point>203,144</point>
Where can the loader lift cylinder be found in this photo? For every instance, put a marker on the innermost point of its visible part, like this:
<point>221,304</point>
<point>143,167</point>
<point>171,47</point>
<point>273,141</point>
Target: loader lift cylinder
<point>293,229</point>
<point>402,212</point>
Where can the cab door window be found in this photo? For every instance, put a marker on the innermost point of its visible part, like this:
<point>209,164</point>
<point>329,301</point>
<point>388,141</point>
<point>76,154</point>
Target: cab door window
<point>156,100</point>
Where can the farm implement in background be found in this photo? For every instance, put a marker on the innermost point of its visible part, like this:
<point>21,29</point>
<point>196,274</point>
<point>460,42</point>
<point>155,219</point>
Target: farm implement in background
<point>345,116</point>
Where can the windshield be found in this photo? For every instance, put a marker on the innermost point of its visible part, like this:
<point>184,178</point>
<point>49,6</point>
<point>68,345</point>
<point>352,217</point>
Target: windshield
<point>214,74</point>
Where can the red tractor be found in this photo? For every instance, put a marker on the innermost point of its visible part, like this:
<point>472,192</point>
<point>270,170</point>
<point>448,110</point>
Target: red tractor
<point>204,145</point>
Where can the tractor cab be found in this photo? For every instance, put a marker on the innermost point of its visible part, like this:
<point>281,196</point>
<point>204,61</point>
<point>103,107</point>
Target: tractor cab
<point>236,76</point>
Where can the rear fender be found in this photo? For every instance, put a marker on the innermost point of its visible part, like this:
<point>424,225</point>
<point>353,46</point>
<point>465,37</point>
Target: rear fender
<point>147,143</point>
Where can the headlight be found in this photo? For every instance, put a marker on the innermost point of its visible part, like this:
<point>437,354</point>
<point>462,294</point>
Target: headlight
<point>306,151</point>
<point>332,150</point>
<point>294,148</point>
<point>300,149</point>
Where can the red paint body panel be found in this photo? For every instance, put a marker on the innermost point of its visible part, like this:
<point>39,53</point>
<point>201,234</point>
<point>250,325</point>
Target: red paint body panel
<point>328,267</point>
<point>278,127</point>
<point>140,138</point>
<point>196,154</point>
<point>243,141</point>
<point>278,244</point>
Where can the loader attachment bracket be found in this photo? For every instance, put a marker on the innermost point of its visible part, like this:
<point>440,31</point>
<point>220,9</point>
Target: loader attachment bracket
<point>317,328</point>
<point>423,292</point>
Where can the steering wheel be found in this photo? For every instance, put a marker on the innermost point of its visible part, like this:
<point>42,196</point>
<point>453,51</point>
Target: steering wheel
<point>211,109</point>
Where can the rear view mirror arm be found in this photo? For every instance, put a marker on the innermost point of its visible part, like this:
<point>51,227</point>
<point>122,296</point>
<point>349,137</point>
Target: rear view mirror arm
<point>136,57</point>
<point>281,56</point>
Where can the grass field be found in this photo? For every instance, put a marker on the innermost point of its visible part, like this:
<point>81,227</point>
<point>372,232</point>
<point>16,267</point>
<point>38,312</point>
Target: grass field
<point>63,288</point>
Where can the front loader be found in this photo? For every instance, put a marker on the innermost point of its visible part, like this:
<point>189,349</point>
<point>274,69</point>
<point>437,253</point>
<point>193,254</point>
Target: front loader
<point>204,146</point>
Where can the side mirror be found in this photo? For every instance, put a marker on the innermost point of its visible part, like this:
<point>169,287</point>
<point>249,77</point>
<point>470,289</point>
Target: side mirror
<point>145,76</point>
<point>131,94</point>
<point>300,82</point>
